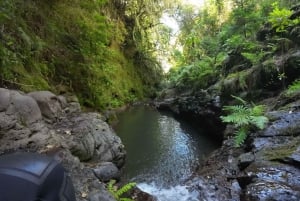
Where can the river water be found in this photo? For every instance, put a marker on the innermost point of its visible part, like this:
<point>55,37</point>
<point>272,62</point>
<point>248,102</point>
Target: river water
<point>162,152</point>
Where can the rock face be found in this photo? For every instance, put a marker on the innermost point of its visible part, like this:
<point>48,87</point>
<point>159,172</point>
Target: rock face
<point>266,168</point>
<point>199,108</point>
<point>107,171</point>
<point>45,123</point>
<point>91,138</point>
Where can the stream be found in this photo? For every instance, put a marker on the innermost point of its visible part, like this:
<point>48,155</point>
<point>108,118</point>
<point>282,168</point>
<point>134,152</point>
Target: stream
<point>162,152</point>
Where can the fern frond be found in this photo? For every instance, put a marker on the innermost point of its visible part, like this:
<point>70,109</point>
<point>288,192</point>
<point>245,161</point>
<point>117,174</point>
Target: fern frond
<point>235,108</point>
<point>239,115</point>
<point>242,116</point>
<point>240,136</point>
<point>126,199</point>
<point>239,99</point>
<point>258,110</point>
<point>125,188</point>
<point>111,186</point>
<point>259,121</point>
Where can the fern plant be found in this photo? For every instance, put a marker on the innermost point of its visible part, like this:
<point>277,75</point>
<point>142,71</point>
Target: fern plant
<point>243,117</point>
<point>294,88</point>
<point>117,193</point>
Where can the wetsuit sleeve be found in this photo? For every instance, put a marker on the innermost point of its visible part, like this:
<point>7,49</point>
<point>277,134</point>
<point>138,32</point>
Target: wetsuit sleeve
<point>33,177</point>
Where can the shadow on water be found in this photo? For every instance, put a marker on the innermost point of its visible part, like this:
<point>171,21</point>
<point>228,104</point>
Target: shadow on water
<point>160,149</point>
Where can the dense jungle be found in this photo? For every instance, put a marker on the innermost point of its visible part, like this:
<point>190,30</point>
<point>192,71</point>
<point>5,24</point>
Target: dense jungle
<point>153,100</point>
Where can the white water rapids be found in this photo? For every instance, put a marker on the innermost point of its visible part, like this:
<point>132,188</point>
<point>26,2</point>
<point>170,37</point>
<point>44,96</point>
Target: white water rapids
<point>179,193</point>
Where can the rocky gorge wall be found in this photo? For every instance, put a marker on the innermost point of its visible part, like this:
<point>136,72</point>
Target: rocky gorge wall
<point>267,166</point>
<point>55,125</point>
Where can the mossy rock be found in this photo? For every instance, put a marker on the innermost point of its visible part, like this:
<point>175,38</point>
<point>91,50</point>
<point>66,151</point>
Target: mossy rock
<point>246,83</point>
<point>282,152</point>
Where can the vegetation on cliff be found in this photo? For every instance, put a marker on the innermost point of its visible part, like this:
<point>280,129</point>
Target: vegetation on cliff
<point>100,50</point>
<point>225,39</point>
<point>242,48</point>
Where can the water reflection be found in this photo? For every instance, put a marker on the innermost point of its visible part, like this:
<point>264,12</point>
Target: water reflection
<point>159,148</point>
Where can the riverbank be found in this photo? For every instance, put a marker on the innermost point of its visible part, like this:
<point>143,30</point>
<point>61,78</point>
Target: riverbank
<point>162,152</point>
<point>266,167</point>
<point>84,143</point>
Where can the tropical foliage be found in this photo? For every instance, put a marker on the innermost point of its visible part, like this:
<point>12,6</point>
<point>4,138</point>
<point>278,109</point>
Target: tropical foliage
<point>293,89</point>
<point>244,117</point>
<point>280,18</point>
<point>209,34</point>
<point>117,193</point>
<point>100,50</point>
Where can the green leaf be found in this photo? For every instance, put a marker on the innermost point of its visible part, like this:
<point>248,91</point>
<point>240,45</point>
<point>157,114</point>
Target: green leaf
<point>125,188</point>
<point>239,115</point>
<point>240,136</point>
<point>258,110</point>
<point>242,117</point>
<point>239,99</point>
<point>259,121</point>
<point>126,199</point>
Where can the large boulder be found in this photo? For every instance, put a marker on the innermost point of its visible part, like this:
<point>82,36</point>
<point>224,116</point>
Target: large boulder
<point>49,104</point>
<point>107,171</point>
<point>91,138</point>
<point>4,99</point>
<point>45,123</point>
<point>23,107</point>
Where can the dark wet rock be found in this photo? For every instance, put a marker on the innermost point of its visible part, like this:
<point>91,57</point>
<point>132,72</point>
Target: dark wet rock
<point>264,32</point>
<point>265,168</point>
<point>235,62</point>
<point>101,195</point>
<point>107,171</point>
<point>245,160</point>
<point>288,124</point>
<point>296,12</point>
<point>276,172</point>
<point>268,190</point>
<point>236,83</point>
<point>295,34</point>
<point>199,108</point>
<point>291,65</point>
<point>140,195</point>
<point>286,152</point>
<point>294,158</point>
<point>259,143</point>
<point>216,178</point>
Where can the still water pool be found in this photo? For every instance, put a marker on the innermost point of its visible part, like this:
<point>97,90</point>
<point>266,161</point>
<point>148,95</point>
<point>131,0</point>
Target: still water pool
<point>162,152</point>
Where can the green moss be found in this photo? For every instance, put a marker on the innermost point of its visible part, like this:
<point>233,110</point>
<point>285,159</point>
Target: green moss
<point>75,44</point>
<point>282,152</point>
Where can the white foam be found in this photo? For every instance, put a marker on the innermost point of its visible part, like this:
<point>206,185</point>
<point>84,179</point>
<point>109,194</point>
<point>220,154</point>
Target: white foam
<point>180,193</point>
